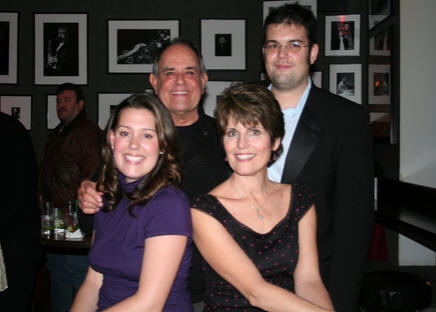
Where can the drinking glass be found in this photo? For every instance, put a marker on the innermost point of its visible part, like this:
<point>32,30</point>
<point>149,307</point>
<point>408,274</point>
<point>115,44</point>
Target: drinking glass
<point>71,219</point>
<point>59,223</point>
<point>47,219</point>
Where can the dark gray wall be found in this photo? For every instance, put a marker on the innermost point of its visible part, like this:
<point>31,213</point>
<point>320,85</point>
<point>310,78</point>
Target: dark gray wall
<point>189,14</point>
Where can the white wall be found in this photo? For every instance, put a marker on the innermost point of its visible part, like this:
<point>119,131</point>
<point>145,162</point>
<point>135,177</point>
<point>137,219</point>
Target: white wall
<point>417,108</point>
<point>418,92</point>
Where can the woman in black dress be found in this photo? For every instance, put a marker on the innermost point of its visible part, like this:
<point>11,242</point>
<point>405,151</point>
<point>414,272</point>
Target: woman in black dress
<point>258,237</point>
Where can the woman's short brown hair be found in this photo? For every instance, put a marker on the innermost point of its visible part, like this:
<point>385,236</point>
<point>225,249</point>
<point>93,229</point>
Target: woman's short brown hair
<point>251,104</point>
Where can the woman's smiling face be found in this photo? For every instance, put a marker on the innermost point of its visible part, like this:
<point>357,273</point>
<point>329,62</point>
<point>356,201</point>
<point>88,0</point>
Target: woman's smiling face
<point>135,143</point>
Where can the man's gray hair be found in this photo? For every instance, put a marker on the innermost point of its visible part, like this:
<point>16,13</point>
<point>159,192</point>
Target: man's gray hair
<point>190,45</point>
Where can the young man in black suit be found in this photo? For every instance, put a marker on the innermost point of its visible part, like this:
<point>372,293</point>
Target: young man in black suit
<point>327,146</point>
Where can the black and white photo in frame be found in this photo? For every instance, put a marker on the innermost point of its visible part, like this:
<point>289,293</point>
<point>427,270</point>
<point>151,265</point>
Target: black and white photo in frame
<point>61,48</point>
<point>19,107</point>
<point>381,43</point>
<point>213,91</point>
<point>134,43</point>
<point>342,35</point>
<point>223,44</point>
<point>107,102</point>
<point>52,115</point>
<point>8,47</point>
<point>346,81</point>
<point>316,78</point>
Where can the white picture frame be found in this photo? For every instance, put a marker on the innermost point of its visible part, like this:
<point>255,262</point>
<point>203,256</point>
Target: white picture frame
<point>133,44</point>
<point>342,35</point>
<point>380,43</point>
<point>379,84</point>
<point>269,5</point>
<point>106,103</point>
<point>58,61</point>
<point>19,107</point>
<point>346,81</point>
<point>316,78</point>
<point>9,46</point>
<point>223,44</point>
<point>213,90</point>
<point>52,115</point>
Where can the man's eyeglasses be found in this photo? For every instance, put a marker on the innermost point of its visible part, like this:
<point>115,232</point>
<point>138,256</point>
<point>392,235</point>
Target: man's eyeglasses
<point>291,46</point>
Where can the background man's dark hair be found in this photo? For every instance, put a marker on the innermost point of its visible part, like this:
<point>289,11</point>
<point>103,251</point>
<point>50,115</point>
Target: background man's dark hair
<point>293,14</point>
<point>71,87</point>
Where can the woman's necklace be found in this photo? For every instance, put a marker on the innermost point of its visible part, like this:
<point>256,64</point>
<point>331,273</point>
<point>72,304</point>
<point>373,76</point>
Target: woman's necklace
<point>259,215</point>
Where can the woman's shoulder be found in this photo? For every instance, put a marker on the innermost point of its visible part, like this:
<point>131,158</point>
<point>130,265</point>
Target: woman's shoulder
<point>171,191</point>
<point>170,195</point>
<point>301,190</point>
<point>203,199</point>
<point>302,199</point>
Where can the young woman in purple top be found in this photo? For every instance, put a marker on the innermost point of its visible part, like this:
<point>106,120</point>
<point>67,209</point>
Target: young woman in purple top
<point>141,250</point>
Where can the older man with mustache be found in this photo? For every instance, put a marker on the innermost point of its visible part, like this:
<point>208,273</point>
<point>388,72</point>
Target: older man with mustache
<point>179,79</point>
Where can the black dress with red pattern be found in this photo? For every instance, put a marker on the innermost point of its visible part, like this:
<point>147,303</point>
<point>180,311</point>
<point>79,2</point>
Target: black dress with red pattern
<point>274,253</point>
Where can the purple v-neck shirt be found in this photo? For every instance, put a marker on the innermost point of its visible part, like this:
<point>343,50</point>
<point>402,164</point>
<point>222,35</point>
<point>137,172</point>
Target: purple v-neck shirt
<point>119,245</point>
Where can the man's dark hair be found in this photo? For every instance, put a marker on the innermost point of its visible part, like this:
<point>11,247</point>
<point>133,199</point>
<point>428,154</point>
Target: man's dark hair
<point>71,87</point>
<point>293,14</point>
<point>190,45</point>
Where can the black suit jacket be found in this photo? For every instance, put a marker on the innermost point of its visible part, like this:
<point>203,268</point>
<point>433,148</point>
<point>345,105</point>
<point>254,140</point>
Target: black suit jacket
<point>19,214</point>
<point>331,152</point>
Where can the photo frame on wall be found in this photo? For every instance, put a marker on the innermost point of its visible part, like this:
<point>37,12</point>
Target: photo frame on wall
<point>268,6</point>
<point>52,115</point>
<point>213,90</point>
<point>133,44</point>
<point>316,78</point>
<point>8,47</point>
<point>346,81</point>
<point>381,43</point>
<point>223,44</point>
<point>379,84</point>
<point>342,35</point>
<point>19,107</point>
<point>107,102</point>
<point>61,48</point>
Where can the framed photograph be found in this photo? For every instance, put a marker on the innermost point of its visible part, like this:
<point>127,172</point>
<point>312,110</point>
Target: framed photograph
<point>223,44</point>
<point>133,44</point>
<point>346,81</point>
<point>268,6</point>
<point>19,107</point>
<point>61,46</point>
<point>316,78</point>
<point>379,84</point>
<point>381,43</point>
<point>52,115</point>
<point>213,91</point>
<point>342,35</point>
<point>8,47</point>
<point>107,102</point>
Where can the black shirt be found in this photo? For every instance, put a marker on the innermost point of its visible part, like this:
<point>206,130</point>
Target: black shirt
<point>203,169</point>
